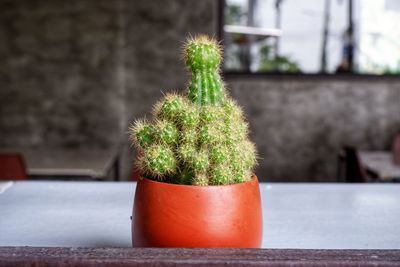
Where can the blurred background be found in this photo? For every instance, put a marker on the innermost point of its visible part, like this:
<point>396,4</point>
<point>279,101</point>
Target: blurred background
<point>318,80</point>
<point>313,36</point>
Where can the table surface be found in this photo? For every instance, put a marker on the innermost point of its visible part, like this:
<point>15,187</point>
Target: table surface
<point>381,163</point>
<point>302,216</point>
<point>67,162</point>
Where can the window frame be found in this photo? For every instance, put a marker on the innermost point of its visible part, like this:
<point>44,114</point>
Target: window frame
<point>277,74</point>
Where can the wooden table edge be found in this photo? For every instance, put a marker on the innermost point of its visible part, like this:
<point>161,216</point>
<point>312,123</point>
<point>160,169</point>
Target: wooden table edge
<point>66,256</point>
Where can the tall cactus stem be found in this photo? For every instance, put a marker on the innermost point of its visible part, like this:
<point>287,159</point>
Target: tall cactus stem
<point>203,57</point>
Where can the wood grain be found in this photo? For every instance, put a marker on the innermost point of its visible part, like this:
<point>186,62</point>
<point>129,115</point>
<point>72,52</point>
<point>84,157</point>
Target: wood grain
<point>38,257</point>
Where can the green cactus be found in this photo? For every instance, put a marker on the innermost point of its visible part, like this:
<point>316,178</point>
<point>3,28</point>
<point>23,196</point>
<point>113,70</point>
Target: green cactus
<point>200,179</point>
<point>166,132</point>
<point>189,118</point>
<point>199,139</point>
<point>186,151</point>
<point>200,162</point>
<point>189,136</point>
<point>203,57</point>
<point>171,108</point>
<point>219,154</point>
<point>143,134</point>
<point>158,160</point>
<point>221,174</point>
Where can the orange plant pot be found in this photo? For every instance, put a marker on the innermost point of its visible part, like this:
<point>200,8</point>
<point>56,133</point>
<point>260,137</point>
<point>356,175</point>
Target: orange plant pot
<point>171,215</point>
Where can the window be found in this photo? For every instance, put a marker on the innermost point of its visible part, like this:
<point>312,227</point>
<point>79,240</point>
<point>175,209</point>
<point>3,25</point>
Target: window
<point>312,36</point>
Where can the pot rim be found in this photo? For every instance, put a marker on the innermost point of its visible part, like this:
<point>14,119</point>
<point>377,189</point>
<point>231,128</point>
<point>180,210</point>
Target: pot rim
<point>254,178</point>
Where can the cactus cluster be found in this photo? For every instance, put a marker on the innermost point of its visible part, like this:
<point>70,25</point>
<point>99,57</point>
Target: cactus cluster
<point>200,138</point>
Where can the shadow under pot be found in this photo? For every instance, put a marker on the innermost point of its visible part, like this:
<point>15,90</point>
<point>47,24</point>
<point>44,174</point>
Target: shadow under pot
<point>171,215</point>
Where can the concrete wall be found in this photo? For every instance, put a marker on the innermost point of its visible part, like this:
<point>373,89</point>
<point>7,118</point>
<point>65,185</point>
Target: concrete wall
<point>300,124</point>
<point>59,73</point>
<point>76,73</point>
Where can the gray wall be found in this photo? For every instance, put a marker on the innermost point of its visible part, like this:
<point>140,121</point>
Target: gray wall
<point>300,124</point>
<point>59,83</point>
<point>77,73</point>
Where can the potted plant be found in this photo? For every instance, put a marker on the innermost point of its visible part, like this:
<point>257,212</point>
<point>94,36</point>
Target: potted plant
<point>197,188</point>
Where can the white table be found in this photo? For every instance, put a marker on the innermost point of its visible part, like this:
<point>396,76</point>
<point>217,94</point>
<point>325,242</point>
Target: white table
<point>381,163</point>
<point>61,162</point>
<point>303,216</point>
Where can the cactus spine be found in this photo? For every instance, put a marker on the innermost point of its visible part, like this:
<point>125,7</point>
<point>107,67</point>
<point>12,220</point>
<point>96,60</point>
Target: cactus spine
<point>199,139</point>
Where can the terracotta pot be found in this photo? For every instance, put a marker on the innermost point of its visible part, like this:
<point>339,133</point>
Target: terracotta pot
<point>170,215</point>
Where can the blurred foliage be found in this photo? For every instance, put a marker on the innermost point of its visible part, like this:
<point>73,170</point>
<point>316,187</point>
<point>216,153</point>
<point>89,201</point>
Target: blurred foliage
<point>272,63</point>
<point>392,70</point>
<point>234,15</point>
<point>380,69</point>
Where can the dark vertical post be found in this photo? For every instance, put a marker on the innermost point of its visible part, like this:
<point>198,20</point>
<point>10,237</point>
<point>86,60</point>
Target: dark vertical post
<point>277,25</point>
<point>250,38</point>
<point>251,11</point>
<point>221,20</point>
<point>350,54</point>
<point>325,36</point>
<point>116,168</point>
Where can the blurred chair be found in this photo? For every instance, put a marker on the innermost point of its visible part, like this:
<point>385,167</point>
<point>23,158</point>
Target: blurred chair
<point>350,169</point>
<point>12,167</point>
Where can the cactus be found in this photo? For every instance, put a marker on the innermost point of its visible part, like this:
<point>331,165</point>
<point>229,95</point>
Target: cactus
<point>203,57</point>
<point>200,138</point>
